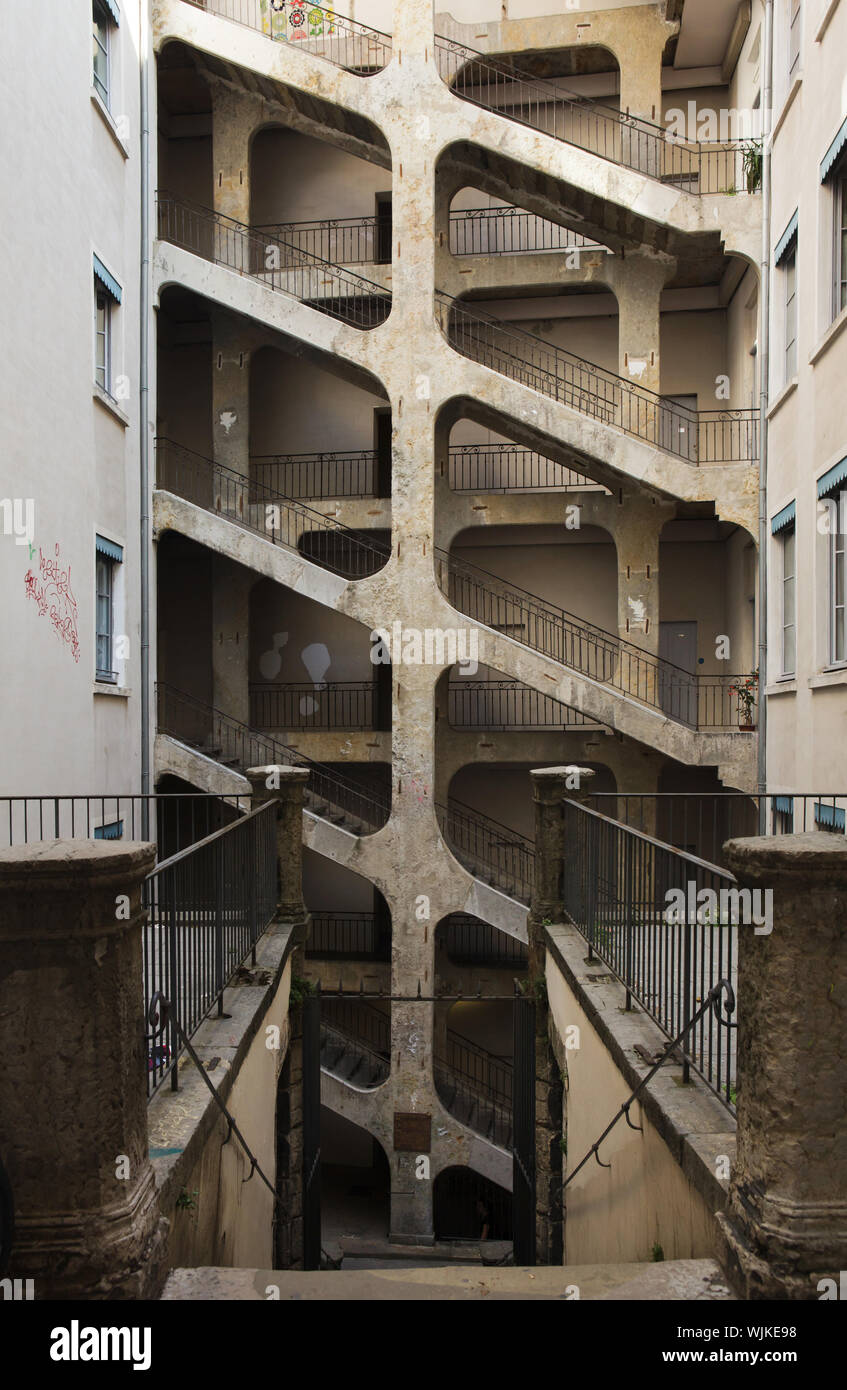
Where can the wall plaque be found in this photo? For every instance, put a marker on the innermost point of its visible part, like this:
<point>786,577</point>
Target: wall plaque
<point>412,1133</point>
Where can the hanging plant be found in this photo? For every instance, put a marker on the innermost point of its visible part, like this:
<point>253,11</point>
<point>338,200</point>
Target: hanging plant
<point>752,159</point>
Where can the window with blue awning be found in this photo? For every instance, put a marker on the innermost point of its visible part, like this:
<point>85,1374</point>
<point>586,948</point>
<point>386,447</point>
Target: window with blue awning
<point>107,280</point>
<point>832,479</point>
<point>786,517</point>
<point>788,240</point>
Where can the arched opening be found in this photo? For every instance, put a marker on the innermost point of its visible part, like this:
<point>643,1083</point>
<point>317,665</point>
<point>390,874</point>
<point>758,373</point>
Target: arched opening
<point>470,1207</point>
<point>355,1183</point>
<point>356,1041</point>
<point>350,923</point>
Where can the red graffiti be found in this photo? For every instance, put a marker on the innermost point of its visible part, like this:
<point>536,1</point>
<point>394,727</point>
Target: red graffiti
<point>51,589</point>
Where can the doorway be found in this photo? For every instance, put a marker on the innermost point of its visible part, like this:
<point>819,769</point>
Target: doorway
<point>677,680</point>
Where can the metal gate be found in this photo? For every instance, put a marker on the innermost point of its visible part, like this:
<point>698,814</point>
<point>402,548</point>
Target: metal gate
<point>523,1129</point>
<point>311,1131</point>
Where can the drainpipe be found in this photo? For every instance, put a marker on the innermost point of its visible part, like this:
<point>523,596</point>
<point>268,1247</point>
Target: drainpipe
<point>144,401</point>
<point>764,371</point>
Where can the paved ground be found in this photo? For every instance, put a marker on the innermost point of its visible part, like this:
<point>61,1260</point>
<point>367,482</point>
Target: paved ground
<point>394,1281</point>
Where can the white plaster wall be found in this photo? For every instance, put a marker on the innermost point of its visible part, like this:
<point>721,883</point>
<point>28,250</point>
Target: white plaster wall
<point>75,193</point>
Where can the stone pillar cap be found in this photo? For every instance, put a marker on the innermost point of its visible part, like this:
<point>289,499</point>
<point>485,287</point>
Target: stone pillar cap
<point>71,859</point>
<point>284,771</point>
<point>566,771</point>
<point>818,854</point>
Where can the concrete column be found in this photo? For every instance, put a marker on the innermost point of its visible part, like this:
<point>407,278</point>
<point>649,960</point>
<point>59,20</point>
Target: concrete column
<point>637,531</point>
<point>286,786</point>
<point>231,407</point>
<point>73,1085</point>
<point>550,787</point>
<point>233,115</point>
<point>638,283</point>
<point>785,1225</point>
<point>231,585</point>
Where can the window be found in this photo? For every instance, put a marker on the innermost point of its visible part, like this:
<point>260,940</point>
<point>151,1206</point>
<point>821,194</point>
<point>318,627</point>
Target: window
<point>101,22</point>
<point>783,815</point>
<point>108,556</point>
<point>795,26</point>
<point>789,270</point>
<point>830,818</point>
<point>833,173</point>
<point>789,612</point>
<point>107,293</point>
<point>113,831</point>
<point>102,341</point>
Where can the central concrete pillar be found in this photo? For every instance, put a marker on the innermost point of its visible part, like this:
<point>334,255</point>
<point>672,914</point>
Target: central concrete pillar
<point>233,114</point>
<point>639,279</point>
<point>73,1084</point>
<point>231,410</point>
<point>231,585</point>
<point>784,1231</point>
<point>551,786</point>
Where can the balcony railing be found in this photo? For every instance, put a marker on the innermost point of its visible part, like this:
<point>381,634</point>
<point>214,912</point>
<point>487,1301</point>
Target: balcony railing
<point>329,705</point>
<point>279,519</point>
<point>347,473</point>
<point>618,887</point>
<point>498,85</point>
<point>348,936</point>
<point>490,851</point>
<point>315,29</point>
<point>469,941</point>
<point>696,437</point>
<point>173,820</point>
<point>207,907</point>
<point>283,267</point>
<point>700,702</point>
<point>500,705</point>
<point>510,468</point>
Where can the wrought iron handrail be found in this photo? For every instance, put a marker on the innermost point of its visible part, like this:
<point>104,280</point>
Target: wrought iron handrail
<point>173,819</point>
<point>508,704</point>
<point>198,723</point>
<point>278,518</point>
<point>694,436</point>
<point>328,705</point>
<point>207,907</point>
<point>499,85</point>
<point>472,464</point>
<point>341,473</point>
<point>489,849</point>
<point>623,891</point>
<point>276,263</point>
<point>348,936</point>
<point>468,940</point>
<point>317,29</point>
<point>574,642</point>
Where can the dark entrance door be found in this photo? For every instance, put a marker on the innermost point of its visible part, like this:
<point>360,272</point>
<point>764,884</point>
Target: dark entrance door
<point>383,228</point>
<point>382,446</point>
<point>311,1132</point>
<point>677,681</point>
<point>523,1132</point>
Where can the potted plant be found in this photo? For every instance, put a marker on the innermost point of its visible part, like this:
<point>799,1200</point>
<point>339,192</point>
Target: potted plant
<point>752,159</point>
<point>746,690</point>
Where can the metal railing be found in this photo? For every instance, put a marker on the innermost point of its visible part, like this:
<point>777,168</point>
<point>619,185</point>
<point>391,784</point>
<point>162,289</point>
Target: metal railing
<point>497,231</point>
<point>350,473</point>
<point>490,851</point>
<point>315,29</point>
<point>477,1087</point>
<point>618,889</point>
<point>317,283</point>
<point>171,820</point>
<point>279,519</point>
<point>504,704</point>
<point>511,231</point>
<point>509,467</point>
<point>701,822</point>
<point>700,702</point>
<point>359,1021</point>
<point>498,85</point>
<point>228,740</point>
<point>328,705</point>
<point>348,936</point>
<point>207,907</point>
<point>695,437</point>
<point>469,941</point>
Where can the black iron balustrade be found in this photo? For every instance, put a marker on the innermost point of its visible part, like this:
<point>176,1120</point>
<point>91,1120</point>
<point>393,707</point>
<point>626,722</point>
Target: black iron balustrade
<point>511,468</point>
<point>470,941</point>
<point>173,820</point>
<point>340,240</point>
<point>328,705</point>
<point>316,29</point>
<point>695,437</point>
<point>700,702</point>
<point>491,851</point>
<point>477,1086</point>
<point>337,935</point>
<point>511,231</point>
<point>620,890</point>
<point>505,704</point>
<point>359,1021</point>
<point>208,729</point>
<point>207,907</point>
<point>280,519</point>
<point>281,266</point>
<point>349,473</point>
<point>499,86</point>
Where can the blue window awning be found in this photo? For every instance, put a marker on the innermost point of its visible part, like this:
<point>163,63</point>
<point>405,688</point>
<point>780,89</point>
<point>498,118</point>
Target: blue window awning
<point>787,241</point>
<point>113,831</point>
<point>109,549</point>
<point>831,480</point>
<point>784,518</point>
<point>107,280</point>
<point>784,805</point>
<point>828,161</point>
<point>833,817</point>
<point>112,7</point>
